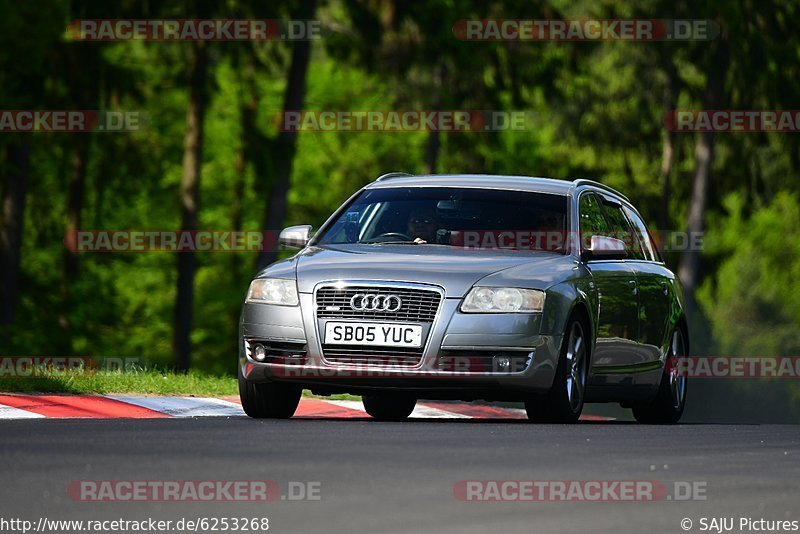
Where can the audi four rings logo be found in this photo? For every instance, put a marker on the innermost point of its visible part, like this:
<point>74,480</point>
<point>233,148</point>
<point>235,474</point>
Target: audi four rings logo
<point>369,301</point>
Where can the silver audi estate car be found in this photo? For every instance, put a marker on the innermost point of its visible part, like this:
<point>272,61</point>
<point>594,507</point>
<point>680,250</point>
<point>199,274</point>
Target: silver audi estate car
<point>469,287</point>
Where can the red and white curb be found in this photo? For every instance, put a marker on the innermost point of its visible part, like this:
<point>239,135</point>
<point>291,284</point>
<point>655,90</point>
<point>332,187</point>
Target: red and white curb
<point>142,407</point>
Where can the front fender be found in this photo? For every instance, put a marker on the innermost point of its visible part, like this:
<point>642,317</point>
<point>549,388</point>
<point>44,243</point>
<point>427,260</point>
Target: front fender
<point>561,302</point>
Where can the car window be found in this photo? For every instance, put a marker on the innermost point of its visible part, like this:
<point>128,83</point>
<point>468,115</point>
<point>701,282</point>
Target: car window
<point>592,221</point>
<point>458,217</point>
<point>622,230</point>
<point>643,234</point>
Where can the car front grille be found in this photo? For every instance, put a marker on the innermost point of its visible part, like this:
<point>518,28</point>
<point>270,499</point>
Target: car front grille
<point>369,356</point>
<point>418,306</point>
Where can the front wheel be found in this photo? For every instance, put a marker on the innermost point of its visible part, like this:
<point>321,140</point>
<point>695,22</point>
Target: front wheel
<point>389,407</point>
<point>274,400</point>
<point>667,407</point>
<point>564,402</point>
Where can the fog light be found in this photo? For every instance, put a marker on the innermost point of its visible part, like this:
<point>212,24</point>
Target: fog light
<point>502,364</point>
<point>260,353</point>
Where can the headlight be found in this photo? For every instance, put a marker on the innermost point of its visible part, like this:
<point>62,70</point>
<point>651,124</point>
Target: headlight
<point>503,300</point>
<point>273,291</point>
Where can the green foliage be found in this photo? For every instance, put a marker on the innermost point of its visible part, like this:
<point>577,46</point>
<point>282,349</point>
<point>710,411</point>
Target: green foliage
<point>750,299</point>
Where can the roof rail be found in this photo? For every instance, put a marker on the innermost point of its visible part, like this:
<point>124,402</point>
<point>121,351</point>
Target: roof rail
<point>390,175</point>
<point>584,181</point>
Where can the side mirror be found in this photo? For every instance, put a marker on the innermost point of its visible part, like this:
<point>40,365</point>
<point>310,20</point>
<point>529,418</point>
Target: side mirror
<point>295,236</point>
<point>604,248</point>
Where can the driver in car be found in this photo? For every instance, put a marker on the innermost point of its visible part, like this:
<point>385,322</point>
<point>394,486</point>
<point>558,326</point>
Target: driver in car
<point>422,226</point>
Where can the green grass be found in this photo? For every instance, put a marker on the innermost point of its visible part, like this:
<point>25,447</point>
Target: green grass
<point>146,382</point>
<point>338,396</point>
<point>151,382</point>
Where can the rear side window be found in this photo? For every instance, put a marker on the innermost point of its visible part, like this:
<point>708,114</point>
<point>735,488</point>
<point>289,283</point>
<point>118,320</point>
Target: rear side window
<point>622,230</point>
<point>592,221</point>
<point>646,240</point>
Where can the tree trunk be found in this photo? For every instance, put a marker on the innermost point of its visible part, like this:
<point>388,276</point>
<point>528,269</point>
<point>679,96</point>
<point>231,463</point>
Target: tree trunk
<point>689,268</point>
<point>77,184</point>
<point>286,143</point>
<point>434,142</point>
<point>249,100</point>
<point>668,148</point>
<point>18,158</point>
<point>432,152</point>
<point>189,197</point>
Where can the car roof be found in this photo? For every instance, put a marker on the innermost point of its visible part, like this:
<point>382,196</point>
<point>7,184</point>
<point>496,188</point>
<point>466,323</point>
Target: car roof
<point>489,181</point>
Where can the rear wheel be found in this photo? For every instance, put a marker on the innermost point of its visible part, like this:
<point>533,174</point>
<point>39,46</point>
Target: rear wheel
<point>389,407</point>
<point>275,400</point>
<point>670,400</point>
<point>564,402</point>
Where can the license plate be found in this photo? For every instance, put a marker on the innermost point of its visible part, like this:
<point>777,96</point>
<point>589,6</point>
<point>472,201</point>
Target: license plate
<point>382,334</point>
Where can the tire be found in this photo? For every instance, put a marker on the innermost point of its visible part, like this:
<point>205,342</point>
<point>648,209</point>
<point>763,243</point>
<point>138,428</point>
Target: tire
<point>273,400</point>
<point>670,401</point>
<point>389,407</point>
<point>564,402</point>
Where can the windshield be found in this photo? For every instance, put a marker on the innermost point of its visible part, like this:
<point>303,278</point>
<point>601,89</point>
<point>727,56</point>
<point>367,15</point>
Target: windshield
<point>469,218</point>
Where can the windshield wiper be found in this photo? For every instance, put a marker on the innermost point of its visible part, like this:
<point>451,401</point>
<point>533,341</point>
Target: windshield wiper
<point>387,242</point>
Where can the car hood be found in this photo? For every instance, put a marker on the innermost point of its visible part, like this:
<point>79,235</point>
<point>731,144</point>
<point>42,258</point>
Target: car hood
<point>454,269</point>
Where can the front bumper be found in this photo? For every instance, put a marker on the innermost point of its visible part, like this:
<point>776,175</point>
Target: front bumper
<point>470,338</point>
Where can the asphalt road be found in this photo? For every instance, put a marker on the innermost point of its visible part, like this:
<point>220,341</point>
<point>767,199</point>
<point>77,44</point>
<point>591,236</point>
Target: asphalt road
<point>399,477</point>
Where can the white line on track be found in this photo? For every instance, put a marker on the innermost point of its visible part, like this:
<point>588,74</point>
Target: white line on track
<point>9,412</point>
